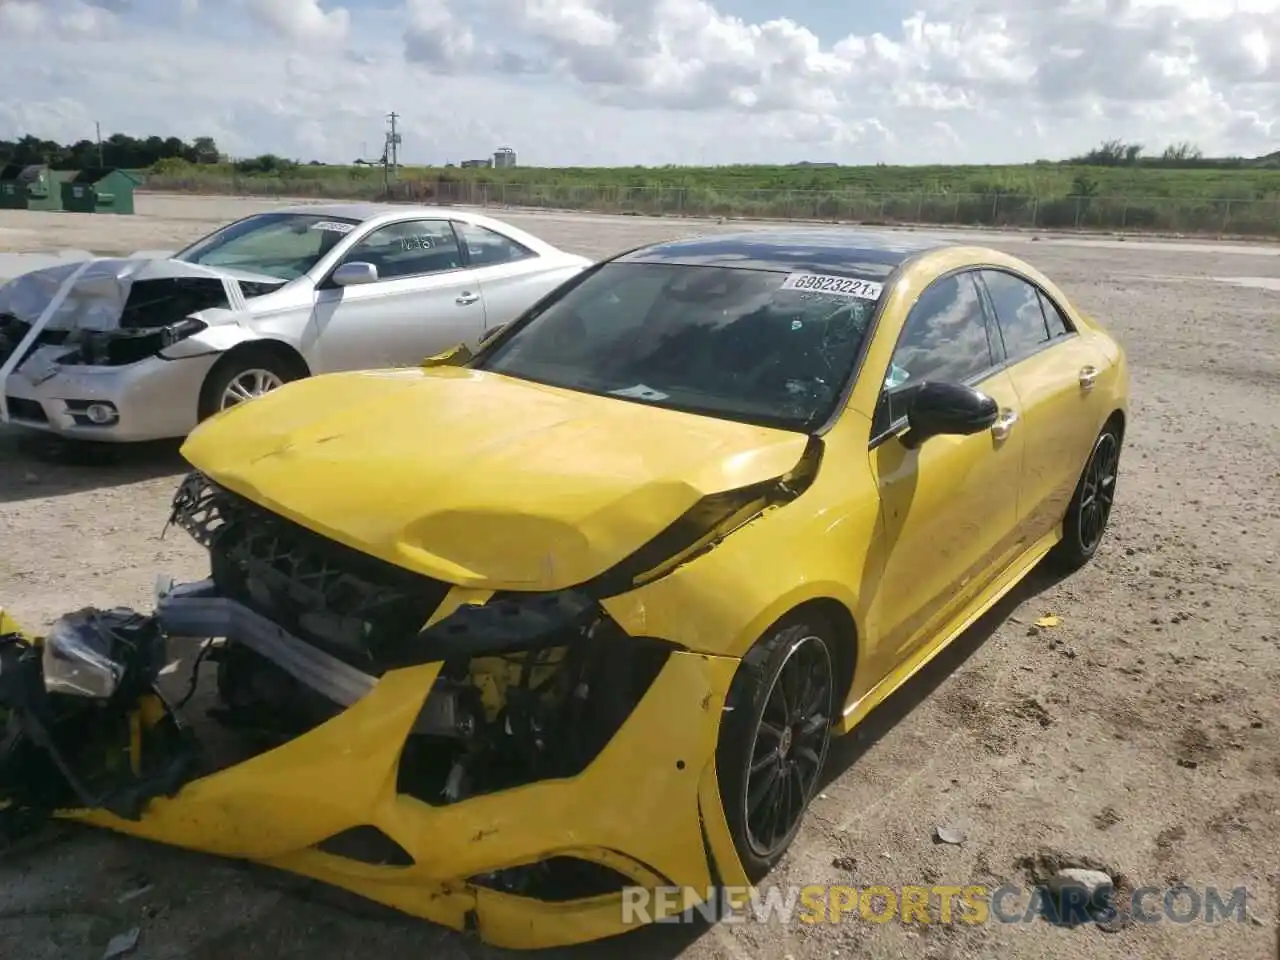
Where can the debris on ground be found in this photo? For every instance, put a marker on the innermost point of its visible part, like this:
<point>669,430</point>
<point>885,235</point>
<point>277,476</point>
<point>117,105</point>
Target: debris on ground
<point>1105,819</point>
<point>1094,883</point>
<point>135,893</point>
<point>1029,708</point>
<point>122,945</point>
<point>1076,890</point>
<point>1049,620</point>
<point>844,863</point>
<point>951,835</point>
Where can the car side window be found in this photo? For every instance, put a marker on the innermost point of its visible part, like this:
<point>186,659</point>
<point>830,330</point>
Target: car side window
<point>410,248</point>
<point>488,248</point>
<point>1018,311</point>
<point>945,339</point>
<point>1058,325</point>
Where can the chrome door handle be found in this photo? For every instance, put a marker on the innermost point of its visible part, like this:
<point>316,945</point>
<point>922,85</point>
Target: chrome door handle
<point>466,298</point>
<point>1087,376</point>
<point>1004,424</point>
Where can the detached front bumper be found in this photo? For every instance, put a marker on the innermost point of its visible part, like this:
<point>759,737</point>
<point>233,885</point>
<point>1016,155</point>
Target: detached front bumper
<point>645,812</point>
<point>152,399</point>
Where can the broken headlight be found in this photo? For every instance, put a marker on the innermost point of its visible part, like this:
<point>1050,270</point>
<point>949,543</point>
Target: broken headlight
<point>116,348</point>
<point>99,654</point>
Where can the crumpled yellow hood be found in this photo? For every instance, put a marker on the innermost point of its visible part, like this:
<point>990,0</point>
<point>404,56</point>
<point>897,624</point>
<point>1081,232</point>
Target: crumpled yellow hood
<point>479,479</point>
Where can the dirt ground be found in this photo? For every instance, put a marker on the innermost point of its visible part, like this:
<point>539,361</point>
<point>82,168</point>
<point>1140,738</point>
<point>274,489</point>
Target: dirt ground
<point>1140,733</point>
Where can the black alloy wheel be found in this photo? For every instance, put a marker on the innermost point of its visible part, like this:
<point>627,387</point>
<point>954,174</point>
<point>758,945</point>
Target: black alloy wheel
<point>1098,493</point>
<point>1089,512</point>
<point>775,738</point>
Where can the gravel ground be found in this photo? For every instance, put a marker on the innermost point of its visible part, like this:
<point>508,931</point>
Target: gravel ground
<point>1139,734</point>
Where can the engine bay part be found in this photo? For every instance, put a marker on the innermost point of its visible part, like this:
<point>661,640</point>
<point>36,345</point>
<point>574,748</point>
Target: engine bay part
<point>196,610</point>
<point>82,724</point>
<point>13,329</point>
<point>350,605</point>
<point>532,686</point>
<point>496,721</point>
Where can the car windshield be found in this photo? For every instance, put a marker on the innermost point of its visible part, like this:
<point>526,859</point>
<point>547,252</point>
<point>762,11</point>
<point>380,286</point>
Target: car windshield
<point>282,245</point>
<point>758,346</point>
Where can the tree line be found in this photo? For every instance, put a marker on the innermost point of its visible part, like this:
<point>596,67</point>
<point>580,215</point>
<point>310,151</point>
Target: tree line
<point>1177,156</point>
<point>117,150</point>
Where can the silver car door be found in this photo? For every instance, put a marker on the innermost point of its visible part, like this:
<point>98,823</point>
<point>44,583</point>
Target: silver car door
<point>421,301</point>
<point>511,275</point>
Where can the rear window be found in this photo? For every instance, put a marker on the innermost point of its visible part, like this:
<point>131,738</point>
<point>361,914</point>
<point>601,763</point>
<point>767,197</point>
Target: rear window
<point>752,345</point>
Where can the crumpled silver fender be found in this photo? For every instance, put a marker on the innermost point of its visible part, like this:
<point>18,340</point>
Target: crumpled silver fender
<point>223,330</point>
<point>101,287</point>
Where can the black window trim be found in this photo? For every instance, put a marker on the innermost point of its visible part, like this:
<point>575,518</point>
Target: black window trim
<point>326,282</point>
<point>999,359</point>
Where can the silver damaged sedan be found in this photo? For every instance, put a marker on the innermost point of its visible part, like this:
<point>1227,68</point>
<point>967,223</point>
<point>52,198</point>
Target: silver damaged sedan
<point>142,349</point>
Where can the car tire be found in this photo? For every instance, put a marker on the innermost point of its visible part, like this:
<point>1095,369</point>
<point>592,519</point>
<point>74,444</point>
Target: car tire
<point>755,732</point>
<point>1089,511</point>
<point>246,366</point>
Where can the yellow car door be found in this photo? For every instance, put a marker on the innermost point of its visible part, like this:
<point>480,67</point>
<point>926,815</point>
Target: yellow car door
<point>950,505</point>
<point>1053,370</point>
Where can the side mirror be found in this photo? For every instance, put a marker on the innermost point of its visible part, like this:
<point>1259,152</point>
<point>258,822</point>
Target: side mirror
<point>455,356</point>
<point>947,409</point>
<point>355,273</point>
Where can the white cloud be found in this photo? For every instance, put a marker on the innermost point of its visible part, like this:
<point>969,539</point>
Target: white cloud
<point>654,81</point>
<point>79,20</point>
<point>20,19</point>
<point>304,21</point>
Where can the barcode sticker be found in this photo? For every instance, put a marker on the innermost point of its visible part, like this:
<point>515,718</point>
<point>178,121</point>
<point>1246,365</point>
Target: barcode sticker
<point>835,286</point>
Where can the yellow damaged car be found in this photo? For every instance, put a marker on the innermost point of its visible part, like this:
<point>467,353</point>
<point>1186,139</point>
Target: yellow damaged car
<point>504,638</point>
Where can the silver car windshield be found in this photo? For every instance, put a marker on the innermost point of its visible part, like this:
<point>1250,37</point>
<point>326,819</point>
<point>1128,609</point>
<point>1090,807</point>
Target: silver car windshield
<point>283,245</point>
<point>742,344</point>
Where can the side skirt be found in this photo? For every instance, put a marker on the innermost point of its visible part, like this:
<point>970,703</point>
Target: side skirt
<point>855,712</point>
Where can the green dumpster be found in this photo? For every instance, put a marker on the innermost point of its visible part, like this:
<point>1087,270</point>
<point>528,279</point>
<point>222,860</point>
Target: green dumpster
<point>13,187</point>
<point>99,190</point>
<point>44,191</point>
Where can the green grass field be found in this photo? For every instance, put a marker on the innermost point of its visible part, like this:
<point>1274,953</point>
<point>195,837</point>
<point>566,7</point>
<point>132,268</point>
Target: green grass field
<point>1242,200</point>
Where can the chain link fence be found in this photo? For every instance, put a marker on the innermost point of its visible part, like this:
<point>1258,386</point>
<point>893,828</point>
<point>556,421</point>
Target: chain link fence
<point>1254,218</point>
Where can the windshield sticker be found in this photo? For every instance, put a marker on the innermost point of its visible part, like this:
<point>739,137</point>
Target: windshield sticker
<point>640,392</point>
<point>423,241</point>
<point>333,226</point>
<point>836,286</point>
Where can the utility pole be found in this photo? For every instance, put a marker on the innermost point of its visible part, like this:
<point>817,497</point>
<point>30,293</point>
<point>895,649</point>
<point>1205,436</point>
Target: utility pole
<point>393,141</point>
<point>391,154</point>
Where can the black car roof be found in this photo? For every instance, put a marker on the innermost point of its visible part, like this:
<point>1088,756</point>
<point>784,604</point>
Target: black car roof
<point>817,250</point>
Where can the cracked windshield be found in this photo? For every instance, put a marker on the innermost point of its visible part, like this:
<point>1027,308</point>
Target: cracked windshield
<point>736,343</point>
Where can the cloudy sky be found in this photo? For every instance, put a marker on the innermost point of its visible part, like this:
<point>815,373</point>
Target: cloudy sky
<point>650,81</point>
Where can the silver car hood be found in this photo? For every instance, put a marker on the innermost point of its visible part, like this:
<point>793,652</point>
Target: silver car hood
<point>92,294</point>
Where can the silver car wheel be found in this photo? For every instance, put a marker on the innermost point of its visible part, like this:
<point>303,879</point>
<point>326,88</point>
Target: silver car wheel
<point>249,384</point>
